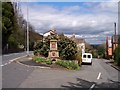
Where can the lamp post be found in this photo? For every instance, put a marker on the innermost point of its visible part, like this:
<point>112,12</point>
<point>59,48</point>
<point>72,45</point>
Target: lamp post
<point>27,31</point>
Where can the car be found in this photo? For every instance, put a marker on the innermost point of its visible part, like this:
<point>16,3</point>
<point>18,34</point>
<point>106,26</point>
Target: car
<point>87,58</point>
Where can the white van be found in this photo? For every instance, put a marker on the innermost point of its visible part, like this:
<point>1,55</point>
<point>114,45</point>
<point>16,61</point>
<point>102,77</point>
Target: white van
<point>87,58</point>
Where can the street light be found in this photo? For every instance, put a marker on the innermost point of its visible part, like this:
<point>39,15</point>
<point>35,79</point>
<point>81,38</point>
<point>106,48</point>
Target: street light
<point>27,31</point>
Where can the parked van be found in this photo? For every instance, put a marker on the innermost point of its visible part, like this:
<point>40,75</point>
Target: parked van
<point>87,58</point>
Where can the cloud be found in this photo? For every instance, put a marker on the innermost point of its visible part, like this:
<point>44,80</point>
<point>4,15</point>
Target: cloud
<point>90,23</point>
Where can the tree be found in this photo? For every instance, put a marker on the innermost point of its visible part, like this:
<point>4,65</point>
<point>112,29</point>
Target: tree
<point>7,22</point>
<point>101,50</point>
<point>14,29</point>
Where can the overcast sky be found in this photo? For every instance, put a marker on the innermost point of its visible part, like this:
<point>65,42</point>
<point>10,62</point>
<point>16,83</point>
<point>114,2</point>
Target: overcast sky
<point>89,20</point>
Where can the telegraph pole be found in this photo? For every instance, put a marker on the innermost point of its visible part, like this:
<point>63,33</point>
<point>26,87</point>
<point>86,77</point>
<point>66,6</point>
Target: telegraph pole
<point>115,35</point>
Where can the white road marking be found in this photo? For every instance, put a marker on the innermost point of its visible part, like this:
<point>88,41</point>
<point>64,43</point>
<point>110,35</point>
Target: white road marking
<point>1,65</point>
<point>10,61</point>
<point>7,55</point>
<point>92,87</point>
<point>99,75</point>
<point>97,79</point>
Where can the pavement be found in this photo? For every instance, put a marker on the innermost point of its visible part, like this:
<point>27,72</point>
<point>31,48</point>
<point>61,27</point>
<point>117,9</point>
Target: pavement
<point>98,75</point>
<point>111,62</point>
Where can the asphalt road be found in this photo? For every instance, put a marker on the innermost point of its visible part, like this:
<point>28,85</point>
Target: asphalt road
<point>7,57</point>
<point>99,75</point>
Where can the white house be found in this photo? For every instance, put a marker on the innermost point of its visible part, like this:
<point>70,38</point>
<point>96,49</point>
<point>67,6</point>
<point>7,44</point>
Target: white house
<point>50,32</point>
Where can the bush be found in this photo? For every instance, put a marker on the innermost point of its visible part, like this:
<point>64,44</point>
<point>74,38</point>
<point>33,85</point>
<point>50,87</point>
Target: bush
<point>39,59</point>
<point>35,52</point>
<point>42,60</point>
<point>117,55</point>
<point>42,48</point>
<point>48,61</point>
<point>68,64</point>
<point>67,48</point>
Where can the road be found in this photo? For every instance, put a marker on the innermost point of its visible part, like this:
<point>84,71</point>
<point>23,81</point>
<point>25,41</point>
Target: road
<point>7,57</point>
<point>99,75</point>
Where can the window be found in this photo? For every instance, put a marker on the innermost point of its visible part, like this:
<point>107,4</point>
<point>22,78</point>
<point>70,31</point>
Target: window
<point>84,56</point>
<point>89,56</point>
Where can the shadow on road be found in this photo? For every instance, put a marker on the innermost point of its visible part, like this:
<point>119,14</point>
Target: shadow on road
<point>87,84</point>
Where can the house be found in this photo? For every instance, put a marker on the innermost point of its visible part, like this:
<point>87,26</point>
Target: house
<point>50,32</point>
<point>111,44</point>
<point>80,43</point>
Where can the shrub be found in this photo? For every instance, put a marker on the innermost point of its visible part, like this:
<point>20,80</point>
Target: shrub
<point>68,64</point>
<point>67,48</point>
<point>42,60</point>
<point>117,55</point>
<point>49,62</point>
<point>42,48</point>
<point>35,52</point>
<point>39,59</point>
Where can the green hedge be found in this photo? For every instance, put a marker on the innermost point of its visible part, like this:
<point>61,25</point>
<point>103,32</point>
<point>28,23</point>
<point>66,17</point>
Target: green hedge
<point>68,64</point>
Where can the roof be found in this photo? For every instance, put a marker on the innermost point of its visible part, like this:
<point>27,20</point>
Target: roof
<point>52,32</point>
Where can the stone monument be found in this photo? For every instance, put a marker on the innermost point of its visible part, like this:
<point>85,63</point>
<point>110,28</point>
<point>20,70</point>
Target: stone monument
<point>53,53</point>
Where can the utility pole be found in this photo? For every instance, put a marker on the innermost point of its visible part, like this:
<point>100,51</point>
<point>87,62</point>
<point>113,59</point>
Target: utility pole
<point>115,35</point>
<point>27,31</point>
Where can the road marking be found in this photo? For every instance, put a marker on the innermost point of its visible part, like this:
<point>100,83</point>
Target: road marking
<point>99,75</point>
<point>10,61</point>
<point>92,87</point>
<point>1,65</point>
<point>7,55</point>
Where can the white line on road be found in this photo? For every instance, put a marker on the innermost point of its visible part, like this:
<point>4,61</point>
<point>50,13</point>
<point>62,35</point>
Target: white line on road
<point>97,79</point>
<point>99,75</point>
<point>92,87</point>
<point>13,60</point>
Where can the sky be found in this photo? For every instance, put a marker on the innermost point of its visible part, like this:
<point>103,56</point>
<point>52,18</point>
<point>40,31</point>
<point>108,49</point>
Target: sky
<point>89,20</point>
